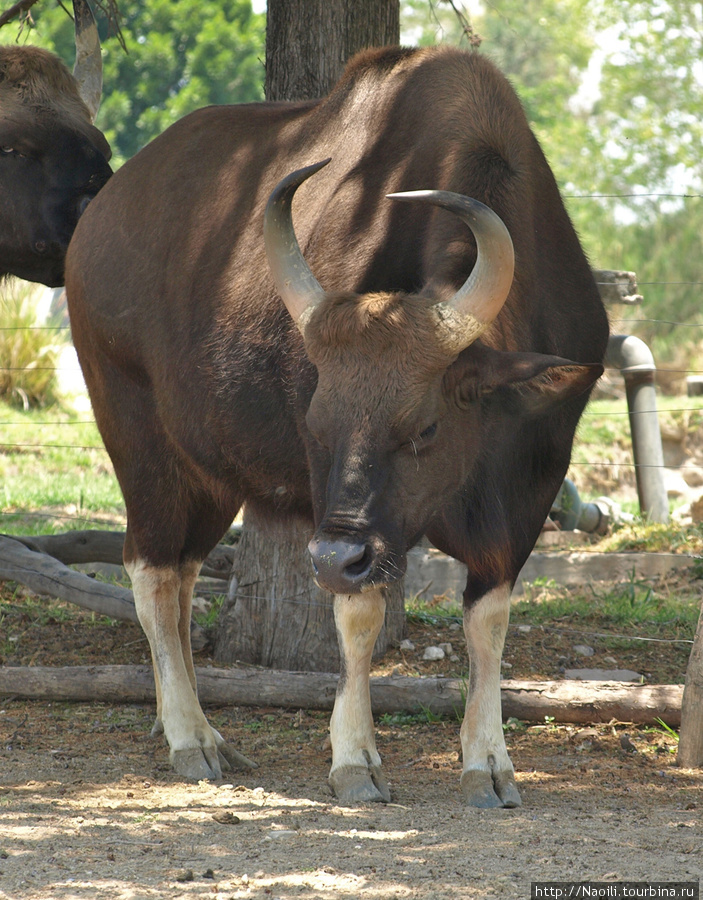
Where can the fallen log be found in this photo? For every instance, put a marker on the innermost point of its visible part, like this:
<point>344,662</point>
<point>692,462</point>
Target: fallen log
<point>75,547</point>
<point>46,576</point>
<point>529,701</point>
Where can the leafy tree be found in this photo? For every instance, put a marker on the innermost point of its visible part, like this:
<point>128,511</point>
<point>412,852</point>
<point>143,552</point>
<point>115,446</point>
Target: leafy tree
<point>652,92</point>
<point>639,132</point>
<point>181,55</point>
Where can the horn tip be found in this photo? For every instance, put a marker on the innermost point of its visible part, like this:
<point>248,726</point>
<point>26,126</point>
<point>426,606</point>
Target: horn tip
<point>409,195</point>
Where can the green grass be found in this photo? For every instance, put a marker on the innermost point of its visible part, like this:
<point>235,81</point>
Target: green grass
<point>650,610</point>
<point>55,474</point>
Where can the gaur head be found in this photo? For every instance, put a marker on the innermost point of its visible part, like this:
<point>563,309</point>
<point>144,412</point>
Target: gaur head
<point>404,390</point>
<point>53,160</point>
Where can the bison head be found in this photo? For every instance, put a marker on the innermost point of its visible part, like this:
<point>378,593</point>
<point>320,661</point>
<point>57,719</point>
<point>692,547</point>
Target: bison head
<point>53,161</point>
<point>405,393</point>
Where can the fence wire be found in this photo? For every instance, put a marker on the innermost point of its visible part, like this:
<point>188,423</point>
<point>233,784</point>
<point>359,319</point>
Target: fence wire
<point>7,446</point>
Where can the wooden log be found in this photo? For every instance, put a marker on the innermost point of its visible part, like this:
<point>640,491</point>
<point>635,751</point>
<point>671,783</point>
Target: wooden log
<point>46,576</point>
<point>690,750</point>
<point>529,701</point>
<point>106,547</point>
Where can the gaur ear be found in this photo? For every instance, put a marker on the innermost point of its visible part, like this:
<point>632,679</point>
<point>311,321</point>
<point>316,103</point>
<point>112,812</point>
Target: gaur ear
<point>523,383</point>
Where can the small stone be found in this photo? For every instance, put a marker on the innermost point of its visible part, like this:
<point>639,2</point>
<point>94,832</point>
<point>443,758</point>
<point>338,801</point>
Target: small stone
<point>407,645</point>
<point>610,660</point>
<point>524,629</point>
<point>433,653</point>
<point>504,664</point>
<point>584,650</point>
<point>455,626</point>
<point>447,647</point>
<point>280,834</point>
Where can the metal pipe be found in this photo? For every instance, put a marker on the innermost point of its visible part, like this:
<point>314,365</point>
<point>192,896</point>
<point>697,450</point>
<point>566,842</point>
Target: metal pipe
<point>572,513</point>
<point>634,359</point>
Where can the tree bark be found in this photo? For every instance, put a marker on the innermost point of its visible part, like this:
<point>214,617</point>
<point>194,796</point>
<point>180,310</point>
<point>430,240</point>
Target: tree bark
<point>530,701</point>
<point>276,616</point>
<point>690,752</point>
<point>308,42</point>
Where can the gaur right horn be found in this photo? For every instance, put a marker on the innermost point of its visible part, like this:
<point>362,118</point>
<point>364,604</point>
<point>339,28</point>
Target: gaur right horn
<point>479,300</point>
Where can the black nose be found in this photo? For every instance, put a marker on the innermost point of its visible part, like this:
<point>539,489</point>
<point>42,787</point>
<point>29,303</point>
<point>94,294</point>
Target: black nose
<point>340,565</point>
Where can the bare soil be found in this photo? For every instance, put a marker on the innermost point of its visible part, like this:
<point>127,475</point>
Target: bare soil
<point>89,808</point>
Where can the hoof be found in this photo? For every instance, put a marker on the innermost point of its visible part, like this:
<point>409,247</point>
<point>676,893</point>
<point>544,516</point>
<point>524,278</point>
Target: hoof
<point>486,791</point>
<point>233,759</point>
<point>360,784</point>
<point>507,789</point>
<point>157,728</point>
<point>197,763</point>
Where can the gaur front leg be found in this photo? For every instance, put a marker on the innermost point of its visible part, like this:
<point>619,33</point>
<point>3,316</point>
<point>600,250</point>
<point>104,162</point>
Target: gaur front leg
<point>488,778</point>
<point>162,597</point>
<point>356,774</point>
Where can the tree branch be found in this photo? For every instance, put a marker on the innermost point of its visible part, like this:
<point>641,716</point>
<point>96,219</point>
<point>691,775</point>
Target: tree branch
<point>15,10</point>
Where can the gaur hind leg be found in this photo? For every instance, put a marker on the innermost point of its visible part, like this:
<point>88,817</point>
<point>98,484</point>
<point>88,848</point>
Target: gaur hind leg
<point>173,523</point>
<point>488,778</point>
<point>356,774</point>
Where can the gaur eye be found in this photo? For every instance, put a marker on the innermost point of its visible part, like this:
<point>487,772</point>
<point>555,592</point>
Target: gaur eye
<point>429,432</point>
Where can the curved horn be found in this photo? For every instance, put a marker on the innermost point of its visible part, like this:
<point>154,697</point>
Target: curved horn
<point>479,300</point>
<point>296,284</point>
<point>88,70</point>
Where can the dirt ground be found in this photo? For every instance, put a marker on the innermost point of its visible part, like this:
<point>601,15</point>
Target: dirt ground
<point>89,809</point>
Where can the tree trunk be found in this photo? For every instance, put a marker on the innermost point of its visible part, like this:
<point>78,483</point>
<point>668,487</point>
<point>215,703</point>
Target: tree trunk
<point>690,753</point>
<point>275,615</point>
<point>308,42</point>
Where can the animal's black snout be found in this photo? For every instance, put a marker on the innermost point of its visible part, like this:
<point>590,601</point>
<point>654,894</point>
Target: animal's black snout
<point>340,565</point>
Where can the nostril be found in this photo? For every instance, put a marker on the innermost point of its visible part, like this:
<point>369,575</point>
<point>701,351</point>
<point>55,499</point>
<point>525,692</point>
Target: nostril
<point>360,564</point>
<point>40,246</point>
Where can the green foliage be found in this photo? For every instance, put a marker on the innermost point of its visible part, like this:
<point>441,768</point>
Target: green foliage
<point>182,55</point>
<point>426,23</point>
<point>209,619</point>
<point>29,352</point>
<point>652,90</point>
<point>637,130</point>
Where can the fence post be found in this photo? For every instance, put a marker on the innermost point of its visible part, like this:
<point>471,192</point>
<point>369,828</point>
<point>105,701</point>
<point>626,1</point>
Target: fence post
<point>634,360</point>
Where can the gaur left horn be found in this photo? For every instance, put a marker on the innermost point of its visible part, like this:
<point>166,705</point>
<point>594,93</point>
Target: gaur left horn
<point>88,69</point>
<point>479,300</point>
<point>300,290</point>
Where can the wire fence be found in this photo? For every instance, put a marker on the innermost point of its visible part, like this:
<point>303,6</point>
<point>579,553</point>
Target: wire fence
<point>7,445</point>
<point>88,518</point>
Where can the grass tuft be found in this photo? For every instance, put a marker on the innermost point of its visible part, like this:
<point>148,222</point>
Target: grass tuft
<point>29,353</point>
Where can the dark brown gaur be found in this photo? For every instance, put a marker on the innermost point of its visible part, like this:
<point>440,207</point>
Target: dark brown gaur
<point>53,161</point>
<point>403,375</point>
